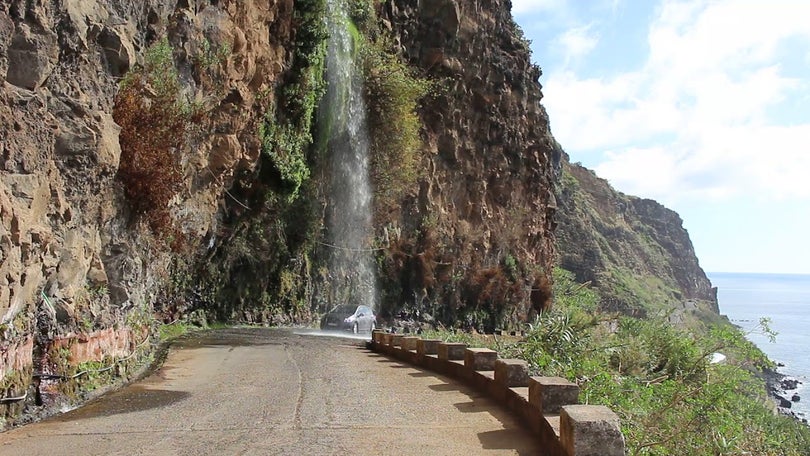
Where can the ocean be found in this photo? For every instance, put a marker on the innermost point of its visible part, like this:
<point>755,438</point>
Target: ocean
<point>785,299</point>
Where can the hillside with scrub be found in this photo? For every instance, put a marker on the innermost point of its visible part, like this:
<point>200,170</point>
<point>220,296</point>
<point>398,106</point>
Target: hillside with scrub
<point>659,378</point>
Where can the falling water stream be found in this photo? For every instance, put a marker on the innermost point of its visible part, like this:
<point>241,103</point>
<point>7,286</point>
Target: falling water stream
<point>342,117</point>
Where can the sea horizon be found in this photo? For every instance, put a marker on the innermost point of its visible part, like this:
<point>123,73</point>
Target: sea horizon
<point>801,274</point>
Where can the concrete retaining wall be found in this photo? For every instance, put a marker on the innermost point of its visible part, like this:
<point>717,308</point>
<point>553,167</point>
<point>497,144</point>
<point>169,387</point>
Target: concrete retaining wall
<point>547,405</point>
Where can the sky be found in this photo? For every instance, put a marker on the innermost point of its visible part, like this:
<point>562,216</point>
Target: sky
<point>702,105</point>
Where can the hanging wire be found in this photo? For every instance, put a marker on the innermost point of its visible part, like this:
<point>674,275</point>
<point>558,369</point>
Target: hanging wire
<point>226,190</point>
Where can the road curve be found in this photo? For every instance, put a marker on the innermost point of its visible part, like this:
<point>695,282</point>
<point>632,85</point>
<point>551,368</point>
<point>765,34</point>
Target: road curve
<point>278,392</point>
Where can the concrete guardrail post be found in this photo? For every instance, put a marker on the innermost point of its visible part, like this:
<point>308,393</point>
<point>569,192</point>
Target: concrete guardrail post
<point>377,336</point>
<point>512,372</point>
<point>409,343</point>
<point>590,430</point>
<point>549,394</point>
<point>480,359</point>
<point>427,346</point>
<point>451,351</point>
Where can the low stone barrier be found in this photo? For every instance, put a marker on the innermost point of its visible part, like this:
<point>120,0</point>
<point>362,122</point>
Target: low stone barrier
<point>547,405</point>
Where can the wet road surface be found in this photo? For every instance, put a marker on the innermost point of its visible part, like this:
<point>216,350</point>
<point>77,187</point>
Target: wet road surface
<point>279,392</point>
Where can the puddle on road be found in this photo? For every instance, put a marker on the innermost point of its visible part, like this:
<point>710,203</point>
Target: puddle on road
<point>255,336</point>
<point>335,334</point>
<point>231,337</point>
<point>134,398</point>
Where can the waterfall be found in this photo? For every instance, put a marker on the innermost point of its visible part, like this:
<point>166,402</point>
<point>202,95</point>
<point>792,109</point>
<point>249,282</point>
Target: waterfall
<point>342,119</point>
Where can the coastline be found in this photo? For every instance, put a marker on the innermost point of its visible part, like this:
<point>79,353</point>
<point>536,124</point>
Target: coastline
<point>783,390</point>
<point>744,298</point>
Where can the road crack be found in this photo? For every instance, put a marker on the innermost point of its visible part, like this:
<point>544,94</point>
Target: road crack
<point>299,403</point>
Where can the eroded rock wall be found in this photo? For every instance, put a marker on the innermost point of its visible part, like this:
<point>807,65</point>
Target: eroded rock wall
<point>476,240</point>
<point>78,267</point>
<point>81,273</point>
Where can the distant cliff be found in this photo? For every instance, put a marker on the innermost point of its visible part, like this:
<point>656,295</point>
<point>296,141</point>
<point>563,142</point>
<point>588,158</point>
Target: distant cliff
<point>633,250</point>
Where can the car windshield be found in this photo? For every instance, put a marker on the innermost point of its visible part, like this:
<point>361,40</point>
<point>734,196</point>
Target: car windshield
<point>344,310</point>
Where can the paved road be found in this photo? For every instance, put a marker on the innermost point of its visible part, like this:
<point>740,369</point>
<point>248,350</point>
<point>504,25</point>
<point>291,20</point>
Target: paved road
<point>275,392</point>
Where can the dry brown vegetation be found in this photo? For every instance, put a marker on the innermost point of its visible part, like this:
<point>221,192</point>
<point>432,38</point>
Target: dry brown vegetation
<point>154,121</point>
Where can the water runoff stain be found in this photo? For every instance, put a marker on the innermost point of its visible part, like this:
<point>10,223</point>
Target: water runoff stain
<point>335,334</point>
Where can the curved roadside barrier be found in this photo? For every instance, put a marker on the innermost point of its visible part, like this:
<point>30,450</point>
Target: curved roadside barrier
<point>547,405</point>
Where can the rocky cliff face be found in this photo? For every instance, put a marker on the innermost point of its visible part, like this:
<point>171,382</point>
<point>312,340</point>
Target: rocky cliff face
<point>635,251</point>
<point>154,159</point>
<point>474,245</point>
<point>80,272</point>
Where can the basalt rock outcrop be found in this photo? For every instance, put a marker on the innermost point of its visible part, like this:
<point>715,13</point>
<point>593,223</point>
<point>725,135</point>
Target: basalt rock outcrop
<point>474,244</point>
<point>80,274</point>
<point>633,250</point>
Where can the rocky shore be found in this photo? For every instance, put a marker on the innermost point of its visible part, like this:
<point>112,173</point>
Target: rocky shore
<point>783,390</point>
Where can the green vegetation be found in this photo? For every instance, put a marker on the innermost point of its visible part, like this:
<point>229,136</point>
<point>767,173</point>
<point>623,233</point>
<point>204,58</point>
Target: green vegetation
<point>96,374</point>
<point>641,292</point>
<point>393,91</point>
<point>14,384</point>
<point>362,14</point>
<point>657,378</point>
<point>257,269</point>
<point>209,57</point>
<point>173,330</point>
<point>257,275</point>
<point>286,132</point>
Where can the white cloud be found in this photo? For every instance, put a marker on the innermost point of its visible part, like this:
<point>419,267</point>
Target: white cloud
<point>766,163</point>
<point>635,169</point>
<point>533,6</point>
<point>576,42</point>
<point>694,121</point>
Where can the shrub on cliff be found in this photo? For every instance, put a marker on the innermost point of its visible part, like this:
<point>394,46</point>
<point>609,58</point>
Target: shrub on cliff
<point>393,91</point>
<point>286,132</point>
<point>672,401</point>
<point>260,269</point>
<point>154,118</point>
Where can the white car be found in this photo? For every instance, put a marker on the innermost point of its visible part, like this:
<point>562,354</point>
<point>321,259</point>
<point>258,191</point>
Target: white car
<point>351,318</point>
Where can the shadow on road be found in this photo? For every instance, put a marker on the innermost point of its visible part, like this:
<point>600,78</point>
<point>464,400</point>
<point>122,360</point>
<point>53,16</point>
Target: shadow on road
<point>133,398</point>
<point>503,439</point>
<point>508,438</point>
